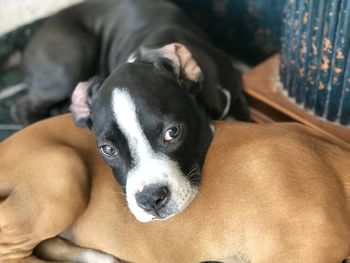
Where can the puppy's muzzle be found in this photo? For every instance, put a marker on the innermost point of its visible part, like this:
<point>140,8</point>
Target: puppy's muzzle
<point>158,189</point>
<point>153,199</point>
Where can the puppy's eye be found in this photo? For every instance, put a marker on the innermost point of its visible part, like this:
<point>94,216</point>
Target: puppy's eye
<point>172,133</point>
<point>108,151</point>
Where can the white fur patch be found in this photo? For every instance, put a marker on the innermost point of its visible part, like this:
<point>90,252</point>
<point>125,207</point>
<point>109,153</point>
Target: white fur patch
<point>92,256</point>
<point>228,103</point>
<point>150,167</point>
<point>131,58</point>
<point>212,128</point>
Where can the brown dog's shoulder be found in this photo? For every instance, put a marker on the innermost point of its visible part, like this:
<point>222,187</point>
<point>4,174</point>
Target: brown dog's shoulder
<point>249,136</point>
<point>253,133</point>
<point>273,143</point>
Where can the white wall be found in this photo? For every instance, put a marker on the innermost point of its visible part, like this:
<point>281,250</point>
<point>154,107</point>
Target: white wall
<point>15,13</point>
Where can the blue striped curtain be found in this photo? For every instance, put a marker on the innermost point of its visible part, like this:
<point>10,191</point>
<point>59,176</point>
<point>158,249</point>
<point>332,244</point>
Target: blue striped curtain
<point>315,57</point>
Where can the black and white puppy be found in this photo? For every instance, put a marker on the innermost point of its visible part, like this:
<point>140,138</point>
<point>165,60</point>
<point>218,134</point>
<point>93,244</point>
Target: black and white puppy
<point>152,133</point>
<point>95,37</point>
<point>162,84</point>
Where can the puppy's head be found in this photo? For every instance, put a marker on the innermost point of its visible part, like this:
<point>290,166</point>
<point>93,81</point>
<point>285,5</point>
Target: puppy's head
<point>151,130</point>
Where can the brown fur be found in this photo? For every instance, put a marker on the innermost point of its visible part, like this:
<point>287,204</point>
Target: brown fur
<point>269,193</point>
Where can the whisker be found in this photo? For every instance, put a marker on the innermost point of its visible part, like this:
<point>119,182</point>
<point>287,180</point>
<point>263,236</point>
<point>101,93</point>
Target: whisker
<point>193,169</point>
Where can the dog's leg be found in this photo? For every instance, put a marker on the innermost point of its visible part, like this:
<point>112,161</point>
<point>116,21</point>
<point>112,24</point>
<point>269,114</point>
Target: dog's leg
<point>22,228</point>
<point>57,58</point>
<point>58,249</point>
<point>16,240</point>
<point>45,204</point>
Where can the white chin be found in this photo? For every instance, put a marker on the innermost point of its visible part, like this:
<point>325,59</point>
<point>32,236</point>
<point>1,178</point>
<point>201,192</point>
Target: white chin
<point>144,217</point>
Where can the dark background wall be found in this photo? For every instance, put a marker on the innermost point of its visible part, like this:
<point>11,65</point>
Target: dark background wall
<point>248,29</point>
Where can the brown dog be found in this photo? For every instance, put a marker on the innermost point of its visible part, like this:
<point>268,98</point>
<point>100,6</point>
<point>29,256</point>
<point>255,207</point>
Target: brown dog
<point>273,193</point>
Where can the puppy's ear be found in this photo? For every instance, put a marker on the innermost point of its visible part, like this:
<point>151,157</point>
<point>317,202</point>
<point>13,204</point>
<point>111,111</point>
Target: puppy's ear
<point>176,58</point>
<point>81,101</point>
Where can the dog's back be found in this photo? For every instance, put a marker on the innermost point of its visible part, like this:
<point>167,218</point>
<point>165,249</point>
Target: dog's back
<point>268,194</point>
<point>274,193</point>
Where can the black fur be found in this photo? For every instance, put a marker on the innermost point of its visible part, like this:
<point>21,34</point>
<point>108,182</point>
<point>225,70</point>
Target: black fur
<point>95,37</point>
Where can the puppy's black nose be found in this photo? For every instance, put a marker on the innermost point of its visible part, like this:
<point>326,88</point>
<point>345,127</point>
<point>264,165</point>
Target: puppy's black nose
<point>153,197</point>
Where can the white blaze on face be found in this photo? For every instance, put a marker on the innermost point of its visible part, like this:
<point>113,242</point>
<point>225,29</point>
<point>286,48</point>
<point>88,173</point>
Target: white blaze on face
<point>149,167</point>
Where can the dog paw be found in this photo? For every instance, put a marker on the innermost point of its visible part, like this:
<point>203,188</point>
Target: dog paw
<point>23,112</point>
